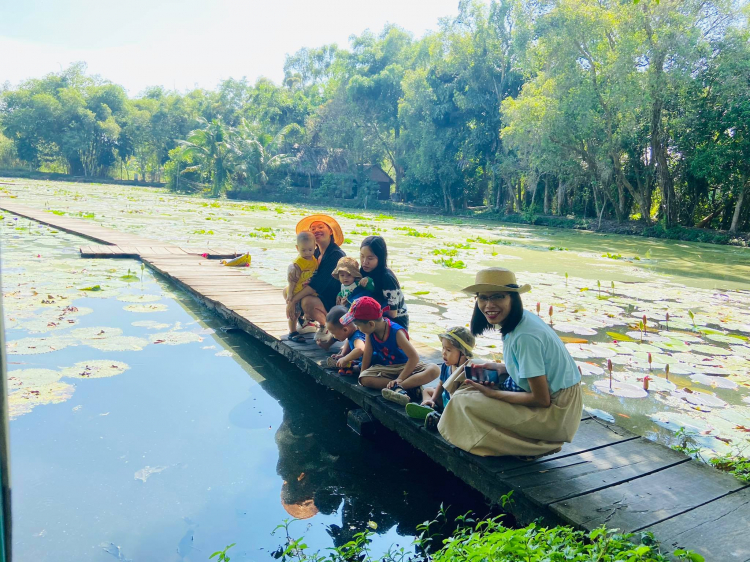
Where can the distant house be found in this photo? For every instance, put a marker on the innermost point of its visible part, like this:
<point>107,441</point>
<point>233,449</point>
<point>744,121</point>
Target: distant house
<point>314,164</point>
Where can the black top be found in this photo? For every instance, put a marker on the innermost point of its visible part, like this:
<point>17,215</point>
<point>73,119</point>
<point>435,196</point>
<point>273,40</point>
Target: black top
<point>322,280</point>
<point>389,294</point>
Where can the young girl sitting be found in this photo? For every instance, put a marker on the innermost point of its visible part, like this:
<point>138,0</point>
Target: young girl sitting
<point>348,274</point>
<point>373,254</point>
<point>298,275</point>
<point>458,344</point>
<point>348,359</point>
<point>399,373</point>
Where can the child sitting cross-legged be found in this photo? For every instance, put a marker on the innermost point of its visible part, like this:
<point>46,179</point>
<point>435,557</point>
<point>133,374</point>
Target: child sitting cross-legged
<point>348,274</point>
<point>458,346</point>
<point>348,359</point>
<point>390,362</point>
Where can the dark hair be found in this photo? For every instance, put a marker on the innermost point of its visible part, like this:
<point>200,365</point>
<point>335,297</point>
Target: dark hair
<point>480,325</point>
<point>334,315</point>
<point>378,247</point>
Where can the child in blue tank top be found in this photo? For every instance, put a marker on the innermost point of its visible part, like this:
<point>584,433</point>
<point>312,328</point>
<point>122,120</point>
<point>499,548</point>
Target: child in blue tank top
<point>399,373</point>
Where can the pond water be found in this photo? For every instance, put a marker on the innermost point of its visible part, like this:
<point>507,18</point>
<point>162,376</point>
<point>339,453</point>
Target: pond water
<point>599,288</point>
<point>140,430</point>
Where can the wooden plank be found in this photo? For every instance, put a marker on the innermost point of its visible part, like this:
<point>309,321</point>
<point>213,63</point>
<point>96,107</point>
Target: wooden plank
<point>644,502</point>
<point>175,250</point>
<point>573,475</point>
<point>720,526</point>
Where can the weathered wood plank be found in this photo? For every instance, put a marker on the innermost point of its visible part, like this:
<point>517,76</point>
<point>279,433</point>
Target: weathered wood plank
<point>646,501</point>
<point>720,526</point>
<point>573,475</point>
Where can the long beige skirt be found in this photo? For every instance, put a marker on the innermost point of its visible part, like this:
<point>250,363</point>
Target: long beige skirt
<point>491,428</point>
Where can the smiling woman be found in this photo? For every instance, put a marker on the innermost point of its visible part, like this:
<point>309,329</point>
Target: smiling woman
<point>320,294</point>
<point>489,422</point>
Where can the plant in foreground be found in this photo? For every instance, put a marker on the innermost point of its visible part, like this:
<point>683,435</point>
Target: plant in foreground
<point>489,539</point>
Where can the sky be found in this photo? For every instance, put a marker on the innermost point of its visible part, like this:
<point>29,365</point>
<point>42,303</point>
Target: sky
<point>189,43</point>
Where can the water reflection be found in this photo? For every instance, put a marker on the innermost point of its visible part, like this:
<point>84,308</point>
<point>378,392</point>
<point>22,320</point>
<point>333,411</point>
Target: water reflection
<point>327,469</point>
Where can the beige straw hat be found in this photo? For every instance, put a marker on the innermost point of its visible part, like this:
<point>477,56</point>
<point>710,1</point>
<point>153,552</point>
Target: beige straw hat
<point>496,279</point>
<point>350,265</point>
<point>306,223</point>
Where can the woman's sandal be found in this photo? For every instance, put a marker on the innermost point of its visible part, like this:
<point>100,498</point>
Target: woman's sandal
<point>431,421</point>
<point>396,394</point>
<point>417,411</point>
<point>530,458</point>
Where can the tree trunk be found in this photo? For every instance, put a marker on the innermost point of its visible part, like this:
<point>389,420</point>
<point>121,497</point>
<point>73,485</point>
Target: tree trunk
<point>737,210</point>
<point>560,196</point>
<point>546,195</point>
<point>499,195</point>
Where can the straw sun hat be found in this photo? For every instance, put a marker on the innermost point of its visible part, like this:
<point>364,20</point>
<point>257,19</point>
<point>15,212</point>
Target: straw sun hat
<point>496,279</point>
<point>306,223</point>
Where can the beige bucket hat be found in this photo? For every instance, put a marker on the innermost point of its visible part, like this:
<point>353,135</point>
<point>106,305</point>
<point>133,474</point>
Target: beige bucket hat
<point>496,279</point>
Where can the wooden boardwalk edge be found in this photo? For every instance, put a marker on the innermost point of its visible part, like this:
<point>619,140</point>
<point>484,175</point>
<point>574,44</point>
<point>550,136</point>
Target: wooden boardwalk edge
<point>607,475</point>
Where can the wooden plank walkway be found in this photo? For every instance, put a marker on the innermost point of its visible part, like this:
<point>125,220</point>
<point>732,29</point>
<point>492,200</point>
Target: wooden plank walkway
<point>607,475</point>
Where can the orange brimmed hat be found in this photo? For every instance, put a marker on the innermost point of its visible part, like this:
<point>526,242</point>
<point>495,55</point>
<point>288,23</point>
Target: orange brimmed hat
<point>496,279</point>
<point>338,234</point>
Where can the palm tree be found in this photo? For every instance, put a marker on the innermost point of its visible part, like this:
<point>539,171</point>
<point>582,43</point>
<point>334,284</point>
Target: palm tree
<point>211,148</point>
<point>260,153</point>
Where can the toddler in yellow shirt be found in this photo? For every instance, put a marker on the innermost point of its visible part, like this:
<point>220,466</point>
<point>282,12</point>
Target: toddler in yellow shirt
<point>298,275</point>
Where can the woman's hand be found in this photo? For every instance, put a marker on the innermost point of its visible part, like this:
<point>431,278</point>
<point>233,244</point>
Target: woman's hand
<point>364,281</point>
<point>488,389</point>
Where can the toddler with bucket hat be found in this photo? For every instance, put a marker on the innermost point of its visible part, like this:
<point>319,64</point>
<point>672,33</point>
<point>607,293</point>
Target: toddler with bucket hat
<point>458,345</point>
<point>348,273</point>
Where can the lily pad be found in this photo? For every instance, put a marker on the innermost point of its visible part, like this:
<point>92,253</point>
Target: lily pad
<point>118,343</point>
<point>33,346</point>
<point>139,298</point>
<point>175,338</point>
<point>21,378</point>
<point>24,400</point>
<point>145,307</point>
<point>715,382</point>
<point>589,368</point>
<point>150,324</point>
<point>620,389</point>
<point>709,349</point>
<point>95,369</point>
<point>96,333</point>
<point>701,399</point>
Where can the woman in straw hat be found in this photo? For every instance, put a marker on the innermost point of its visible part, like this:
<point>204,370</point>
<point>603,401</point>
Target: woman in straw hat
<point>320,294</point>
<point>490,422</point>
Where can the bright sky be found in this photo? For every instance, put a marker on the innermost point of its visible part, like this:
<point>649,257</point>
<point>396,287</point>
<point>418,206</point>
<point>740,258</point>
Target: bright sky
<point>187,43</point>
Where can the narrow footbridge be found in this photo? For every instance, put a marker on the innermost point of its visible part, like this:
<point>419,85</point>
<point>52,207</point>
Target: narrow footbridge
<point>607,475</point>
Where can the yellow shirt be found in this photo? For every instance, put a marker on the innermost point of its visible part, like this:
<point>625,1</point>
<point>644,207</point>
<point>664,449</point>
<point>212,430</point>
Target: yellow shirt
<point>307,268</point>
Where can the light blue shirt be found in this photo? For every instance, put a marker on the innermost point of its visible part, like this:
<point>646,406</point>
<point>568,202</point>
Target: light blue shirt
<point>533,349</point>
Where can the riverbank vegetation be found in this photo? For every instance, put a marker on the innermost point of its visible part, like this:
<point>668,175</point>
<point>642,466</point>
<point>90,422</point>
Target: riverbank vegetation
<point>566,110</point>
<point>488,539</point>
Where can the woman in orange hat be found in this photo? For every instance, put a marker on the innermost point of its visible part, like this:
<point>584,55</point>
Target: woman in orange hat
<point>320,294</point>
<point>490,422</point>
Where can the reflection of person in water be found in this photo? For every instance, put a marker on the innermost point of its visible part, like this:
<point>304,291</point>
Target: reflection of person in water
<point>327,468</point>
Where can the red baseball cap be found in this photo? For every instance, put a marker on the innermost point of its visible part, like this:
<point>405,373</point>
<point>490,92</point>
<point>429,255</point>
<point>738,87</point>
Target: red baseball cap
<point>364,308</point>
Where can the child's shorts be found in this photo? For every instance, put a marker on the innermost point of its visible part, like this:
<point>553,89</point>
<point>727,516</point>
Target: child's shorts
<point>389,372</point>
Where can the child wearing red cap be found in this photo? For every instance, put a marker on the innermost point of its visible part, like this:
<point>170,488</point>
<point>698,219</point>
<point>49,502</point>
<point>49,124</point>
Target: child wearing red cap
<point>390,362</point>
